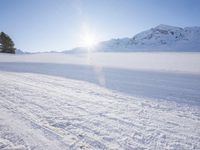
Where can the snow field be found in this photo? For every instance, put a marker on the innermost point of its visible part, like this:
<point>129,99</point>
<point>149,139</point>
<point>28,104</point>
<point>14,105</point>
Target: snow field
<point>45,112</point>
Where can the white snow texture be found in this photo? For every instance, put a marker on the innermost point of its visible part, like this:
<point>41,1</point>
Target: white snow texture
<point>134,101</point>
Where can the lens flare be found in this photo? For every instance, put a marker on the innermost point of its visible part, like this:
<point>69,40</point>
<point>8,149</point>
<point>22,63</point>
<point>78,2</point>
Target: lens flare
<point>89,40</point>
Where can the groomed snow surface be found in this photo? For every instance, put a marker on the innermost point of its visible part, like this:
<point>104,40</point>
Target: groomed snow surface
<point>44,107</point>
<point>45,112</point>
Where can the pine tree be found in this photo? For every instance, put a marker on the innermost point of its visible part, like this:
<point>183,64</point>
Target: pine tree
<point>6,44</point>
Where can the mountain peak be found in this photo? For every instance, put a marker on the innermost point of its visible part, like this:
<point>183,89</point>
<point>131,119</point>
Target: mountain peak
<point>166,27</point>
<point>160,38</point>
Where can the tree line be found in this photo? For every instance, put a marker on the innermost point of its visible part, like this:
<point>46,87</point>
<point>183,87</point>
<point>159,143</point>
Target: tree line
<point>6,44</point>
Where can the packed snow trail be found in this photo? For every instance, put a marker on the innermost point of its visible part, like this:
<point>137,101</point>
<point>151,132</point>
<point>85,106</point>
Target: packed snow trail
<point>179,87</point>
<point>46,112</point>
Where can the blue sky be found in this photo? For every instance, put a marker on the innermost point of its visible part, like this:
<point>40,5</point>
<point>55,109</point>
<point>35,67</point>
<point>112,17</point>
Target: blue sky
<point>45,25</point>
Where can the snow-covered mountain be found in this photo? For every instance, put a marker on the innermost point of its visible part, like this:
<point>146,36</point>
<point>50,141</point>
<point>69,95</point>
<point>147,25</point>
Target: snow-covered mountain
<point>20,52</point>
<point>159,38</point>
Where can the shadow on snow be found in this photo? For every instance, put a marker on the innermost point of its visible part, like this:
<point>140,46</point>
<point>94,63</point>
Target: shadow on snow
<point>157,85</point>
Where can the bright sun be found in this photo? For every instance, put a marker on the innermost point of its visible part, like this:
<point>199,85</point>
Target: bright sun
<point>89,40</point>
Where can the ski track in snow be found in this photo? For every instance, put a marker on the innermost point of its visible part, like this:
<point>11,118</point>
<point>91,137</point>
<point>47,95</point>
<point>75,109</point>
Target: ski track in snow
<point>182,88</point>
<point>40,112</point>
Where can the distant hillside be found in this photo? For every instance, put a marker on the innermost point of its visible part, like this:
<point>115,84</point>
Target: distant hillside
<point>159,38</point>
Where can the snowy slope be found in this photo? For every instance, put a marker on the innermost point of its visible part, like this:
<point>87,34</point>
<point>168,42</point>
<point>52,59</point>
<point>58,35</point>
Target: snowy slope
<point>45,112</point>
<point>99,101</point>
<point>159,38</point>
<point>161,62</point>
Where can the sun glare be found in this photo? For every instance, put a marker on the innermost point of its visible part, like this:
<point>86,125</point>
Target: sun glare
<point>89,40</point>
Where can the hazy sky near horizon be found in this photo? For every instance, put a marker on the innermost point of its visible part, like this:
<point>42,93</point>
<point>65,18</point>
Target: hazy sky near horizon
<point>56,25</point>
